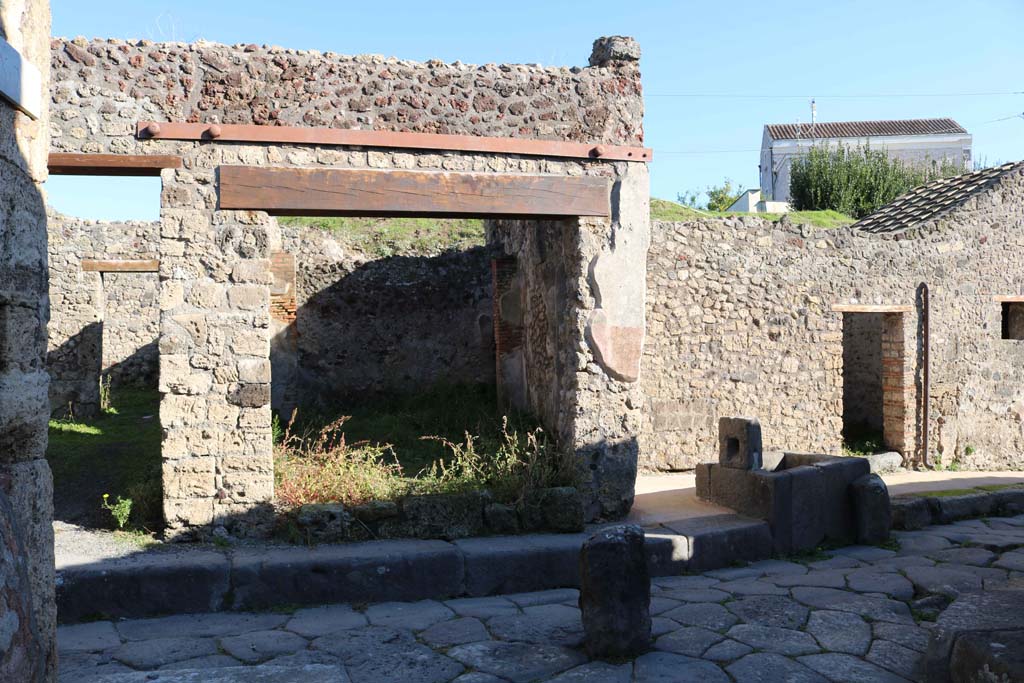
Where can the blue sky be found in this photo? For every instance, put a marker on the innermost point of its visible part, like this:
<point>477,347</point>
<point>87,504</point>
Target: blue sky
<point>761,62</point>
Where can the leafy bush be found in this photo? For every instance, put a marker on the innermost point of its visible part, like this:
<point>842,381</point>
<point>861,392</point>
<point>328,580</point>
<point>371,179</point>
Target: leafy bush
<point>720,197</point>
<point>857,181</point>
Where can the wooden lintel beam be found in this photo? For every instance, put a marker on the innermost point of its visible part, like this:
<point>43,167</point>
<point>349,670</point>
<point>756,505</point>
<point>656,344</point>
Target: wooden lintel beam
<point>357,192</point>
<point>121,265</point>
<point>63,163</point>
<point>152,130</point>
<point>1009,298</point>
<point>872,308</point>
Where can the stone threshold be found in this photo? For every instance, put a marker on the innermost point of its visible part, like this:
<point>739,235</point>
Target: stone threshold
<point>160,582</point>
<point>916,511</point>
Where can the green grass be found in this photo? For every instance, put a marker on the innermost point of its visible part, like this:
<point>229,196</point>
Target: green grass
<point>664,210</point>
<point>401,422</point>
<point>862,440</point>
<point>948,493</point>
<point>117,453</point>
<point>385,237</point>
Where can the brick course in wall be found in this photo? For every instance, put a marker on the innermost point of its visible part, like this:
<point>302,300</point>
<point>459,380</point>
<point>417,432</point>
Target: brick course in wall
<point>741,323</point>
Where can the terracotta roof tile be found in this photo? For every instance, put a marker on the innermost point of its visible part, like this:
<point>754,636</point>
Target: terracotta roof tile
<point>933,199</point>
<point>862,129</point>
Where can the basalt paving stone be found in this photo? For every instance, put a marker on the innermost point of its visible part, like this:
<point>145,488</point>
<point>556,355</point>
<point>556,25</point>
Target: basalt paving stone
<point>455,632</point>
<point>478,677</point>
<point>661,604</point>
<point>199,625</point>
<point>482,608</point>
<point>979,557</point>
<point>776,567</point>
<point>912,637</point>
<point>771,668</point>
<point>944,580</point>
<point>848,669</point>
<point>683,582</point>
<point>769,611</point>
<point>899,563</point>
<point>596,672</point>
<point>319,621</point>
<point>668,667</point>
<point>753,587</point>
<point>413,615</point>
<point>555,624</point>
<point>689,640</point>
<point>152,654</point>
<point>782,641</point>
<point>726,651</point>
<point>208,662</point>
<point>660,625</point>
<point>896,658</point>
<point>829,578</point>
<point>707,614</point>
<point>259,646</point>
<point>918,543</point>
<point>840,631</point>
<point>518,662</point>
<point>377,654</point>
<point>696,594</point>
<point>92,637</point>
<point>78,666</point>
<point>837,562</point>
<point>1012,560</point>
<point>304,658</point>
<point>890,584</point>
<point>548,597</point>
<point>315,673</point>
<point>865,553</point>
<point>876,609</point>
<point>733,573</point>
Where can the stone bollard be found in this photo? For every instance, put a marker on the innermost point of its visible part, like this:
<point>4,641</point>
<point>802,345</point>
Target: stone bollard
<point>872,511</point>
<point>615,593</point>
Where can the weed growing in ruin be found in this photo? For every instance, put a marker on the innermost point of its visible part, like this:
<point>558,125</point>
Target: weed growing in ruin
<point>106,401</point>
<point>120,510</point>
<point>324,468</point>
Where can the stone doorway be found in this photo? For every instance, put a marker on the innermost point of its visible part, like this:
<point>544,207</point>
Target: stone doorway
<point>875,380</point>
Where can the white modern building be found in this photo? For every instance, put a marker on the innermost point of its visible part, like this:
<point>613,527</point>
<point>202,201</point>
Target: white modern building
<point>752,201</point>
<point>913,140</point>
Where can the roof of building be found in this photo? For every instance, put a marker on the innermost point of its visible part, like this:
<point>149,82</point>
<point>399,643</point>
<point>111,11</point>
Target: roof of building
<point>933,199</point>
<point>862,129</point>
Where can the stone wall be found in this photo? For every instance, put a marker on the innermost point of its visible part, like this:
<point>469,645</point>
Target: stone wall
<point>397,325</point>
<point>126,81</point>
<point>28,635</point>
<point>741,322</point>
<point>216,266</point>
<point>101,323</point>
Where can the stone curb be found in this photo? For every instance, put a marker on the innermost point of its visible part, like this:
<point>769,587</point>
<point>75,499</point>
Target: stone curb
<point>158,583</point>
<point>912,512</point>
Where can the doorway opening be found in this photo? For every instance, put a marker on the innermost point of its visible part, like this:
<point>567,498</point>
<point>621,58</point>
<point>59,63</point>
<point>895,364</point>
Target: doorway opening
<point>863,402</point>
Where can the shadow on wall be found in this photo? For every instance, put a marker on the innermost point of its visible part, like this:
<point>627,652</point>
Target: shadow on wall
<point>396,325</point>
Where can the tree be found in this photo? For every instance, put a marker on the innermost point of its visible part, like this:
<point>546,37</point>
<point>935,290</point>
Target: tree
<point>720,197</point>
<point>857,181</point>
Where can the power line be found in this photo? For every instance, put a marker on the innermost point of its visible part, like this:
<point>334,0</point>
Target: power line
<point>724,95</point>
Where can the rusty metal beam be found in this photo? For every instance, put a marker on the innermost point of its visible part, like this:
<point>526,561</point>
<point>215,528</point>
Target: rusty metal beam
<point>358,192</point>
<point>121,265</point>
<point>152,130</point>
<point>62,163</point>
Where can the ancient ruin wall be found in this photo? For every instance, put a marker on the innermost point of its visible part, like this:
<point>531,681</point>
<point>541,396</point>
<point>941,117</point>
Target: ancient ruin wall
<point>367,325</point>
<point>216,265</point>
<point>102,324</point>
<point>127,81</point>
<point>741,323</point>
<point>26,486</point>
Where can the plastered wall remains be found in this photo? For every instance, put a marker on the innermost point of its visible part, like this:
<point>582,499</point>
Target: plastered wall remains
<point>28,651</point>
<point>215,265</point>
<point>102,324</point>
<point>740,321</point>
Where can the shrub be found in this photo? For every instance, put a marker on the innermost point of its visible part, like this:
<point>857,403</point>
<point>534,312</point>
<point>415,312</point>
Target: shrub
<point>857,181</point>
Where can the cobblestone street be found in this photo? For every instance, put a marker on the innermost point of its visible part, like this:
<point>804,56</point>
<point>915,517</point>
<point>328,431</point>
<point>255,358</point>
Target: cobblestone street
<point>853,614</point>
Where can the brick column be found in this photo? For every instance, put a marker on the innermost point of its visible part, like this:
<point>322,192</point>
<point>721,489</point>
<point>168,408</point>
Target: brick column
<point>214,360</point>
<point>897,386</point>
